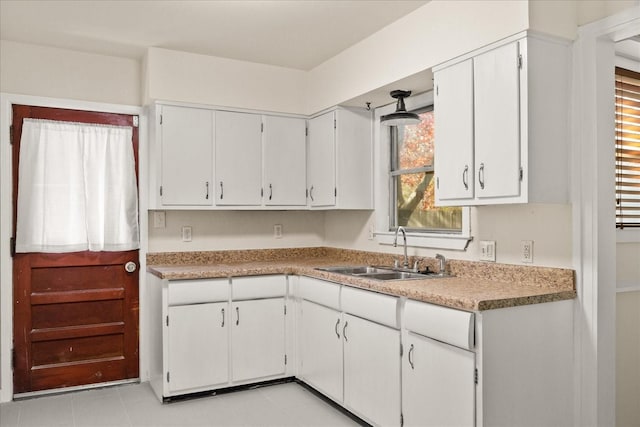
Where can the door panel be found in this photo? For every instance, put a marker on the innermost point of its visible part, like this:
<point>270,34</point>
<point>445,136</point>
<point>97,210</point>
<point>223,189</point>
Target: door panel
<point>257,340</point>
<point>75,314</point>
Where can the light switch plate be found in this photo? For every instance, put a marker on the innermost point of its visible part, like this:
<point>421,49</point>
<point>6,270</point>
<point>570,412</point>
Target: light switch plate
<point>159,219</point>
<point>277,231</point>
<point>488,250</point>
<point>186,233</point>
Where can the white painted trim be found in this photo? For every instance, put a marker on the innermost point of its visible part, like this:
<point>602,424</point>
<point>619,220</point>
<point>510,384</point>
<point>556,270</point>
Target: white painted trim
<point>628,235</point>
<point>381,161</point>
<point>6,262</point>
<point>593,216</point>
<point>627,286</point>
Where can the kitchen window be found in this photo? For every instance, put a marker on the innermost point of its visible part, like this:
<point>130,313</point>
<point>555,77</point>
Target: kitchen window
<point>627,142</point>
<point>405,183</point>
<point>411,179</point>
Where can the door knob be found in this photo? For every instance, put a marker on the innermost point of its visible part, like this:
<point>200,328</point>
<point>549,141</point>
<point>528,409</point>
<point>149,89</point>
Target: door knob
<point>130,267</point>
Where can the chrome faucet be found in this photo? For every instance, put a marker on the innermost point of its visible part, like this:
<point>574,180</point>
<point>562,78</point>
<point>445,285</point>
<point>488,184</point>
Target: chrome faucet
<point>405,264</point>
<point>443,261</point>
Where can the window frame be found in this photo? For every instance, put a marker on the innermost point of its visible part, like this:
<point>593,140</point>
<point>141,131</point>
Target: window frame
<point>383,202</point>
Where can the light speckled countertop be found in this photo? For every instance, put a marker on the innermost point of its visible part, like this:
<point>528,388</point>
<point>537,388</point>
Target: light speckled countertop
<point>476,286</point>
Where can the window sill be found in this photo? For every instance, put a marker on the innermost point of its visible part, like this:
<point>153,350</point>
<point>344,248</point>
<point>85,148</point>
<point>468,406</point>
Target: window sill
<point>628,235</point>
<point>453,242</point>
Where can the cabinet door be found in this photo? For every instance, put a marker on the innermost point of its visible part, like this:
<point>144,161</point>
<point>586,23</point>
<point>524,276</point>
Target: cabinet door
<point>497,122</point>
<point>186,139</point>
<point>321,349</point>
<point>438,384</point>
<point>354,159</point>
<point>322,160</point>
<point>198,346</point>
<point>238,141</point>
<point>257,339</point>
<point>285,180</point>
<point>372,371</point>
<point>453,109</point>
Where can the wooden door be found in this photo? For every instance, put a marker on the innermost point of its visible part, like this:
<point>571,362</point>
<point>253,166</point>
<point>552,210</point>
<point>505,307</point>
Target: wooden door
<point>75,314</point>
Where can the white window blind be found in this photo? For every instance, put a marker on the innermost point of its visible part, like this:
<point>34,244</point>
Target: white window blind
<point>627,148</point>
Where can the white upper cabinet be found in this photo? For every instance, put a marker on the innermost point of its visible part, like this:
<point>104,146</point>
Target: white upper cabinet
<point>496,82</point>
<point>284,159</point>
<point>502,124</point>
<point>454,132</point>
<point>238,158</point>
<point>186,165</point>
<point>202,158</point>
<point>339,160</point>
<point>321,161</point>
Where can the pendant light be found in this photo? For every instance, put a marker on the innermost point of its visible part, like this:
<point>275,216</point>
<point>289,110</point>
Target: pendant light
<point>400,116</point>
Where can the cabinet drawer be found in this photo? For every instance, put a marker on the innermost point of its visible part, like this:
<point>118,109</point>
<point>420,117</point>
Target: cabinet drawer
<point>258,287</point>
<point>370,305</point>
<point>320,292</point>
<point>454,327</point>
<point>182,292</point>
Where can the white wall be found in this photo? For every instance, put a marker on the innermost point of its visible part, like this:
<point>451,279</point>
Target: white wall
<point>201,79</point>
<point>58,73</point>
<point>432,34</point>
<point>628,357</point>
<point>549,226</point>
<point>225,230</point>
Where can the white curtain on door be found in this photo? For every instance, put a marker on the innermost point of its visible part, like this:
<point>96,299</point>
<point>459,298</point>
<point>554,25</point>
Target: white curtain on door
<point>77,188</point>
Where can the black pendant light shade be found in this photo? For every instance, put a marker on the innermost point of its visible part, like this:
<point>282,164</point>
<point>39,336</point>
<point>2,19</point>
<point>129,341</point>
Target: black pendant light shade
<point>400,116</point>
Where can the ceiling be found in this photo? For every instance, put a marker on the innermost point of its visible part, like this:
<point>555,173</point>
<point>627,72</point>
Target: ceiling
<point>297,34</point>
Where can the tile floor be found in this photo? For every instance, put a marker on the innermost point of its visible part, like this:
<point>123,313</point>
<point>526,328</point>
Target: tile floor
<point>287,404</point>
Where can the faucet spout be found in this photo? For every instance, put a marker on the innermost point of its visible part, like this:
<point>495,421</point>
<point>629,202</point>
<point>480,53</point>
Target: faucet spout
<point>405,263</point>
<point>443,261</point>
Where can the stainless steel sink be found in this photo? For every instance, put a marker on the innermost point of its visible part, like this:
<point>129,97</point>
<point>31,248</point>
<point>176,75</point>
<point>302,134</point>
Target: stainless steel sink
<point>379,273</point>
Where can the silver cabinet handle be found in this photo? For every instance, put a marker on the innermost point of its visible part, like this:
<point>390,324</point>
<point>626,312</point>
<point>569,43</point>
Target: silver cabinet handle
<point>222,326</point>
<point>409,356</point>
<point>481,175</point>
<point>270,191</point>
<point>221,190</point>
<point>237,316</point>
<point>344,331</point>
<point>465,177</point>
<point>207,195</point>
<point>336,328</point>
<point>311,193</point>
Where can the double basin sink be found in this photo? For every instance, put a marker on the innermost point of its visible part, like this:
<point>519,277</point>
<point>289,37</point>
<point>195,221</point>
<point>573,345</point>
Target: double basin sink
<point>381,273</point>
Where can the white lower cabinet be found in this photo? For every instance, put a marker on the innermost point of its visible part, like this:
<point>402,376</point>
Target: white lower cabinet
<point>372,371</point>
<point>438,387</point>
<point>321,349</point>
<point>257,339</point>
<point>350,350</point>
<point>198,351</point>
<point>216,333</point>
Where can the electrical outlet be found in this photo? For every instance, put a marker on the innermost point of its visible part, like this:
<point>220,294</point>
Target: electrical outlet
<point>277,231</point>
<point>526,251</point>
<point>159,219</point>
<point>186,233</point>
<point>488,250</point>
<point>371,231</point>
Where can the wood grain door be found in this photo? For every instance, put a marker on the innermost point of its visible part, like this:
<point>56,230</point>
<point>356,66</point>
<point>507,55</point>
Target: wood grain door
<point>75,314</point>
